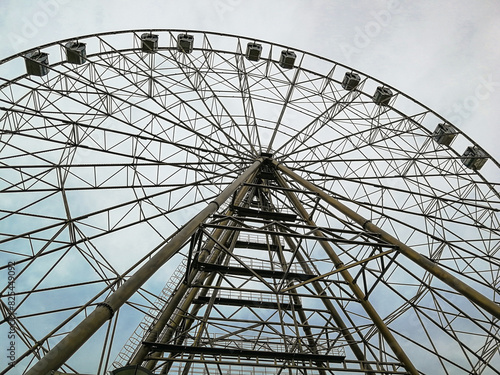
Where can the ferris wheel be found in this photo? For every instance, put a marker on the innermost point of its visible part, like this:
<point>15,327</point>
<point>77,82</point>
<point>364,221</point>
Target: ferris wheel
<point>188,202</point>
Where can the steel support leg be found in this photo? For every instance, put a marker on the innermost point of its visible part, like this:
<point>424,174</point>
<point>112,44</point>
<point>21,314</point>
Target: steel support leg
<point>181,292</point>
<point>367,306</point>
<point>427,264</point>
<point>344,330</point>
<point>104,311</point>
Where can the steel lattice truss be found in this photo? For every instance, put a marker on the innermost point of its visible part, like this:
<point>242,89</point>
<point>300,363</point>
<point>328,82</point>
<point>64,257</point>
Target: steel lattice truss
<point>102,163</point>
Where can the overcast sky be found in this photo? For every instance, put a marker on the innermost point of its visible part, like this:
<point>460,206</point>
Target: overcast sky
<point>442,53</point>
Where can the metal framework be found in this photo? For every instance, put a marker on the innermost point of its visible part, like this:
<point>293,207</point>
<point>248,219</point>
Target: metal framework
<point>251,208</point>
